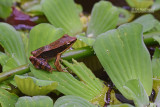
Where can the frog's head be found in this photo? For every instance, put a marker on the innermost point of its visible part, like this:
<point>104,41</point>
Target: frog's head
<point>68,39</point>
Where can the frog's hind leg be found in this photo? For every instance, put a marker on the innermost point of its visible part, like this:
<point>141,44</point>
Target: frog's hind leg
<point>57,63</point>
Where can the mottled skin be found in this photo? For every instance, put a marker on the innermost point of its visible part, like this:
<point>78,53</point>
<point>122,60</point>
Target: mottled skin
<point>55,49</point>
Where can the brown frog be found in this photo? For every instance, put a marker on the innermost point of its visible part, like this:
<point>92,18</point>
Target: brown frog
<point>55,49</point>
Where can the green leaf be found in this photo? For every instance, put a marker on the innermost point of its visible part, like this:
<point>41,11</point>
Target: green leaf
<point>79,43</point>
<point>43,34</point>
<point>104,17</point>
<point>151,38</point>
<point>147,21</point>
<point>3,58</point>
<point>124,56</point>
<point>89,88</point>
<point>142,4</point>
<point>12,42</point>
<point>5,85</point>
<point>72,101</point>
<point>32,6</point>
<point>10,63</point>
<point>157,38</point>
<point>124,16</point>
<point>7,99</point>
<point>156,64</point>
<point>5,8</point>
<point>35,101</point>
<point>85,75</point>
<point>32,86</point>
<point>79,8</point>
<point>137,93</point>
<point>63,14</point>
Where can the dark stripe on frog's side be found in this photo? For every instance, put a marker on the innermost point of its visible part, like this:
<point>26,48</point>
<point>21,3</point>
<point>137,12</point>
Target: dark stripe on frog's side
<point>52,53</point>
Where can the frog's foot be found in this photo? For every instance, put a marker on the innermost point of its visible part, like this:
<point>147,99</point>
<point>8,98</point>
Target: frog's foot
<point>52,69</point>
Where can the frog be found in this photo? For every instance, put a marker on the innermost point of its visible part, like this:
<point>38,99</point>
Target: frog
<point>42,55</point>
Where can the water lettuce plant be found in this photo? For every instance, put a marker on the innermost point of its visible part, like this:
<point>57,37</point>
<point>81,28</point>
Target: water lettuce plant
<point>121,48</point>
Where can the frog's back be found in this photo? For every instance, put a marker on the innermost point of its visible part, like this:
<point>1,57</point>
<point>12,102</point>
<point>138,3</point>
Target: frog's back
<point>54,48</point>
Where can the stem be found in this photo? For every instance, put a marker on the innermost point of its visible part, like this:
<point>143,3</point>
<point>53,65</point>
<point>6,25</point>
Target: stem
<point>19,70</point>
<point>78,53</point>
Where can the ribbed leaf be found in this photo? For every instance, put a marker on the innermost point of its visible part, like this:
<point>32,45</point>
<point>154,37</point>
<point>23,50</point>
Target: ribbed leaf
<point>32,6</point>
<point>63,14</point>
<point>103,17</point>
<point>7,99</point>
<point>156,64</point>
<point>5,8</point>
<point>140,3</point>
<point>124,56</point>
<point>3,58</point>
<point>137,93</point>
<point>5,85</point>
<point>79,43</point>
<point>35,101</point>
<point>85,75</point>
<point>157,37</point>
<point>11,41</point>
<point>68,85</point>
<point>10,63</point>
<point>72,101</point>
<point>147,21</point>
<point>32,86</point>
<point>82,41</point>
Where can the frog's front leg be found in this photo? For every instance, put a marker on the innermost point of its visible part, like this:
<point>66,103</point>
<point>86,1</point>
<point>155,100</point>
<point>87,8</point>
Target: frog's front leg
<point>57,63</point>
<point>40,63</point>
